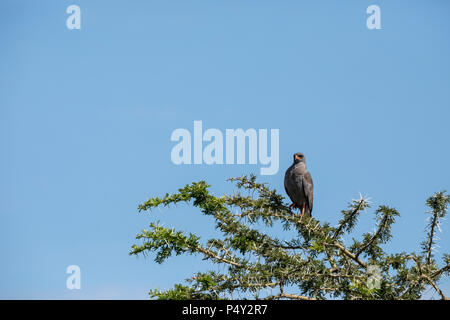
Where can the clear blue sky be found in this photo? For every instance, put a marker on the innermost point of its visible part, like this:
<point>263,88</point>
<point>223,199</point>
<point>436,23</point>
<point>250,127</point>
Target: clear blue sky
<point>86,117</point>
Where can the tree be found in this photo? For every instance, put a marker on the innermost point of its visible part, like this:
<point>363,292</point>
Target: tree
<point>315,264</point>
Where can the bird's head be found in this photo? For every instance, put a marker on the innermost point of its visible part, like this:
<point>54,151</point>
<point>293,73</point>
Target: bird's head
<point>299,157</point>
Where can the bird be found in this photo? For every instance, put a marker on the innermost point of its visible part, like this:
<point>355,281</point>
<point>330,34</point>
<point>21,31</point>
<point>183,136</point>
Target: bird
<point>299,185</point>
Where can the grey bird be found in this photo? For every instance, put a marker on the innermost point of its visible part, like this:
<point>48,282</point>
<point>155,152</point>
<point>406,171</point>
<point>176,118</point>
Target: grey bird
<point>299,185</point>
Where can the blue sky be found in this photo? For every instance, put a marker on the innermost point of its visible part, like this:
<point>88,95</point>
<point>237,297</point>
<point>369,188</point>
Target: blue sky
<point>86,117</point>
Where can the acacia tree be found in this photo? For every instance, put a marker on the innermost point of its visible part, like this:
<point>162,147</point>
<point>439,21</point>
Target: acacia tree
<point>314,264</point>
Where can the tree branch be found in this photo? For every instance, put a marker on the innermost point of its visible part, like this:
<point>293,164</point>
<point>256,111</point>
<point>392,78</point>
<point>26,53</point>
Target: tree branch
<point>440,271</point>
<point>211,254</point>
<point>430,239</point>
<point>350,255</point>
<point>434,285</point>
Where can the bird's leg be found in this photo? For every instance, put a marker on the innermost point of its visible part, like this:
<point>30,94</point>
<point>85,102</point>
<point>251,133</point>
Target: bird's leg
<point>303,210</point>
<point>293,205</point>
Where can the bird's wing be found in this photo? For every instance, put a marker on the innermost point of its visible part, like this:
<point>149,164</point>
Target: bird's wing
<point>308,188</point>
<point>286,184</point>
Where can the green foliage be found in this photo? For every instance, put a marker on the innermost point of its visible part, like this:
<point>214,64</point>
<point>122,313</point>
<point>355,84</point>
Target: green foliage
<point>438,204</point>
<point>314,264</point>
<point>165,241</point>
